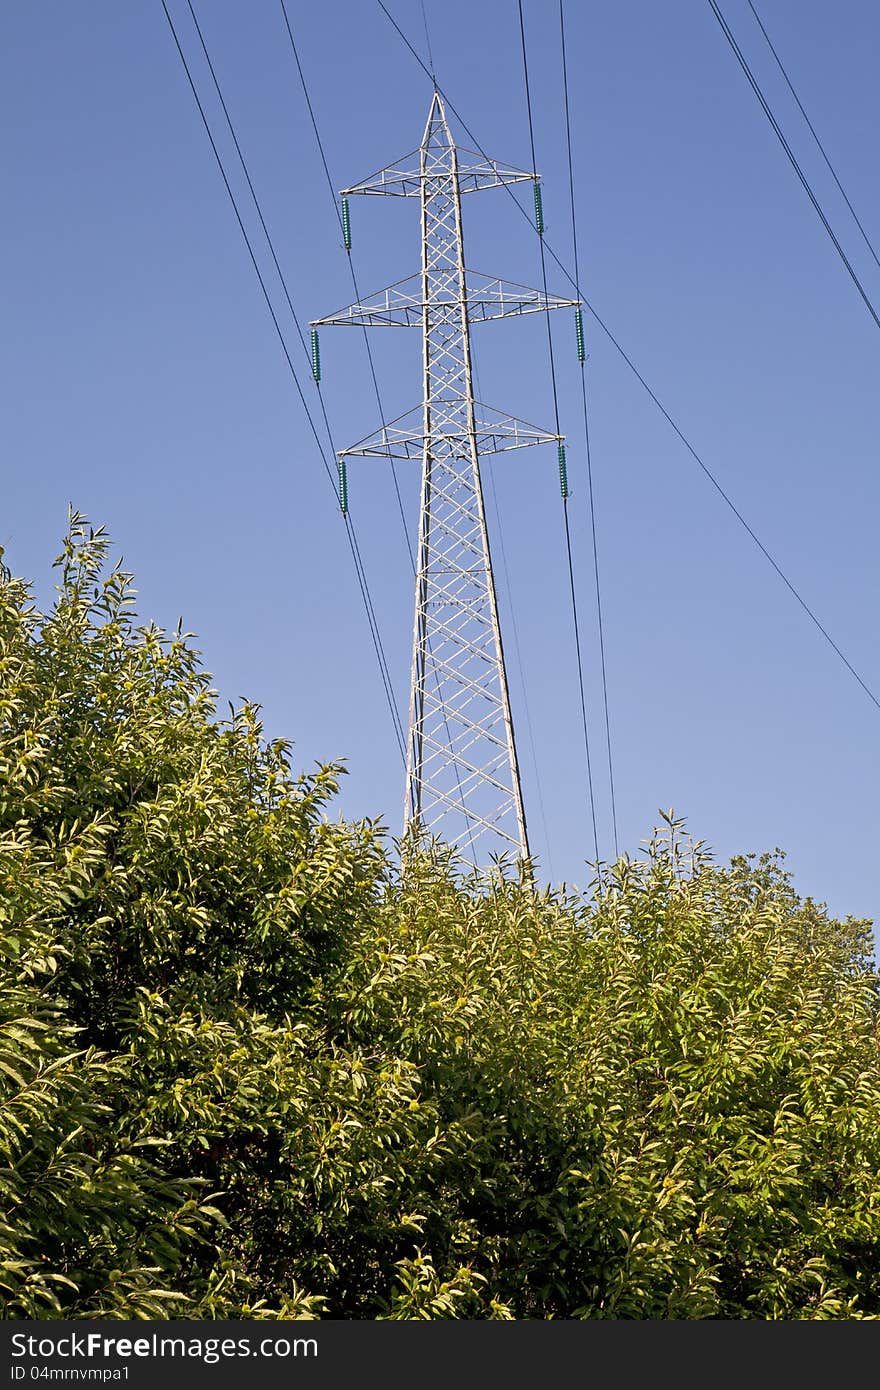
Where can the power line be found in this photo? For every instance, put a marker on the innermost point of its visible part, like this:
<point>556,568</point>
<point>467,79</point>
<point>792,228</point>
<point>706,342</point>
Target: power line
<point>428,41</point>
<point>590,496</point>
<point>354,278</point>
<point>736,512</point>
<point>574,607</point>
<point>641,379</point>
<point>367,345</point>
<point>367,597</point>
<point>350,533</point>
<point>517,649</point>
<point>812,131</point>
<point>360,571</point>
<point>530,732</point>
<point>259,210</point>
<point>753,83</point>
<point>246,172</point>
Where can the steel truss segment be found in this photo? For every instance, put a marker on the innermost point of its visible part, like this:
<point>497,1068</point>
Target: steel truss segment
<point>483,773</point>
<point>468,732</point>
<point>480,824</point>
<point>462,778</point>
<point>462,770</point>
<point>440,718</point>
<point>456,676</point>
<point>493,823</point>
<point>402,305</point>
<point>402,179</point>
<point>496,433</point>
<point>438,783</point>
<point>407,175</point>
<point>444,755</point>
<point>440,760</point>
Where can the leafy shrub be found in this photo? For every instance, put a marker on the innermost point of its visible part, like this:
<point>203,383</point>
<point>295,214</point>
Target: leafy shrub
<point>250,1068</point>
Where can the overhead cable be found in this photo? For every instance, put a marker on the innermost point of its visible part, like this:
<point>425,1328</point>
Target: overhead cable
<point>350,532</point>
<point>812,130</point>
<point>572,279</point>
<point>369,350</point>
<point>590,496</point>
<point>567,528</point>
<point>765,107</point>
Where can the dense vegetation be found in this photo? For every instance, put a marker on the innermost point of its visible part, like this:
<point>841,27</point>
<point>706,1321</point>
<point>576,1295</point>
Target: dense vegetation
<point>247,1070</point>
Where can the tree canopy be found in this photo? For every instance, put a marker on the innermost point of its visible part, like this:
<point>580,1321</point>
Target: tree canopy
<point>250,1068</point>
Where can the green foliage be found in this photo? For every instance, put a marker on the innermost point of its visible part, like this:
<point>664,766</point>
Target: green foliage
<point>168,892</point>
<point>669,1097</point>
<point>248,1068</point>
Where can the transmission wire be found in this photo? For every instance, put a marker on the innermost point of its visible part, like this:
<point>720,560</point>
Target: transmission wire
<point>246,172</point>
<point>641,379</point>
<point>369,349</point>
<point>354,279</point>
<point>812,131</point>
<point>350,532</point>
<point>574,607</point>
<point>753,83</point>
<point>590,495</point>
<point>520,664</point>
<point>428,42</point>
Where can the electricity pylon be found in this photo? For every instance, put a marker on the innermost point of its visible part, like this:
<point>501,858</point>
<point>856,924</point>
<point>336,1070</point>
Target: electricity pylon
<point>462,775</point>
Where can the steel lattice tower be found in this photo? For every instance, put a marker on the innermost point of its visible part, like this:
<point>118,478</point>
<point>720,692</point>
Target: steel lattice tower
<point>462,777</point>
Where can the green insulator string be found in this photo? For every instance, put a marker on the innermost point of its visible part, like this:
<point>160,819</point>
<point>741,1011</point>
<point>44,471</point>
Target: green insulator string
<point>343,486</point>
<point>316,356</point>
<point>579,333</point>
<point>346,224</point>
<point>539,209</point>
<point>563,472</point>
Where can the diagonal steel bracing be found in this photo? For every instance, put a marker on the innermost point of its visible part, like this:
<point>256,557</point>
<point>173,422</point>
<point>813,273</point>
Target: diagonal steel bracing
<point>462,777</point>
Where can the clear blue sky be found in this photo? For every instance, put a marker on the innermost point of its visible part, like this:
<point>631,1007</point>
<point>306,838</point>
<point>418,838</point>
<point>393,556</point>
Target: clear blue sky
<point>141,380</point>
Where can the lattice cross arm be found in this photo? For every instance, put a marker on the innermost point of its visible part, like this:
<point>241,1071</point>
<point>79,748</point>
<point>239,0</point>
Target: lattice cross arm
<point>404,178</point>
<point>402,305</point>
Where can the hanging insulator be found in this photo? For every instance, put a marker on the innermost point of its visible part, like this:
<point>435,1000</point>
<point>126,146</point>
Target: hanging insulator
<point>346,224</point>
<point>316,356</point>
<point>579,332</point>
<point>539,209</point>
<point>343,486</point>
<point>563,472</point>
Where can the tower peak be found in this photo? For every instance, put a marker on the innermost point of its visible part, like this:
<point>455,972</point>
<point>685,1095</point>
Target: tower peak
<point>437,130</point>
